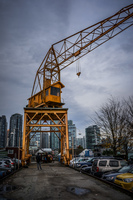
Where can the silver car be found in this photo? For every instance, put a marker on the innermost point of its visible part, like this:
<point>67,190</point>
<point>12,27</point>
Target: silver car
<point>4,164</point>
<point>10,161</point>
<point>101,166</point>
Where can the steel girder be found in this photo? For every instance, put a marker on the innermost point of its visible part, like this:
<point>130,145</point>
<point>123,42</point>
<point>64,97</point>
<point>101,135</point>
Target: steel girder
<point>66,51</point>
<point>35,119</point>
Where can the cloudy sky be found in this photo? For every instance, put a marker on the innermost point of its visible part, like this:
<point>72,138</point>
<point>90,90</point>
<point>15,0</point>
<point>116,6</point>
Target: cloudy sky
<point>28,28</point>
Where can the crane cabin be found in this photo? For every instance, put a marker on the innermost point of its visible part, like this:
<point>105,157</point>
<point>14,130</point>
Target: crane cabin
<point>52,97</point>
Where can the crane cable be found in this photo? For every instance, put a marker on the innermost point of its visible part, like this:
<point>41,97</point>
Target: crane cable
<point>78,68</point>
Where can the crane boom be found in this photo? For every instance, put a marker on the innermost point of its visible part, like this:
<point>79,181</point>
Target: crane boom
<point>70,49</point>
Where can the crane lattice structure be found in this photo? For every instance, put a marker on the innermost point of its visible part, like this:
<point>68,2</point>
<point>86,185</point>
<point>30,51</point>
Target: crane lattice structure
<point>44,106</point>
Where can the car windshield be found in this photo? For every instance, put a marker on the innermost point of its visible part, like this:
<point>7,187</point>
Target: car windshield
<point>131,171</point>
<point>74,159</point>
<point>81,160</point>
<point>124,169</point>
<point>89,159</point>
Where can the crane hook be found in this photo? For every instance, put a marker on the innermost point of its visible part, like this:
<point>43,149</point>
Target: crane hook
<point>78,74</point>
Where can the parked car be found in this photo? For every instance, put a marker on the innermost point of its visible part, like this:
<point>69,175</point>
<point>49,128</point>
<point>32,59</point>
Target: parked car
<point>5,166</point>
<point>130,161</point>
<point>2,173</point>
<point>86,163</point>
<point>78,160</point>
<point>86,169</point>
<point>125,180</point>
<point>17,162</point>
<point>8,170</point>
<point>101,166</point>
<point>110,176</point>
<point>4,163</point>
<point>73,161</point>
<point>10,161</point>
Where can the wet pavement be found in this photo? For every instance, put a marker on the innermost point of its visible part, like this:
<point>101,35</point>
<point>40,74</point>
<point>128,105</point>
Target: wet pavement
<point>56,181</point>
<point>5,189</point>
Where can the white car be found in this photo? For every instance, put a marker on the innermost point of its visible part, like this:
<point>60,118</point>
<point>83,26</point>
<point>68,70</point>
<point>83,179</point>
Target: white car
<point>10,161</point>
<point>100,166</point>
<point>4,164</point>
<point>74,161</point>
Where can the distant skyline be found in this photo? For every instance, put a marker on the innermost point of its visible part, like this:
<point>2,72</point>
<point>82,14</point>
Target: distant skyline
<point>30,27</point>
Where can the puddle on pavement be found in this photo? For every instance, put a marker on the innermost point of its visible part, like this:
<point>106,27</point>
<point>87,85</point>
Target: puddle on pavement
<point>78,191</point>
<point>4,189</point>
<point>7,188</point>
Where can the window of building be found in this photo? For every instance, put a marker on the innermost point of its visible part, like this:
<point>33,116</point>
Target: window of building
<point>10,151</point>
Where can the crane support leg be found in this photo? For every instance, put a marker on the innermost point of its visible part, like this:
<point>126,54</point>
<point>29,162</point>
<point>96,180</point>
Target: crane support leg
<point>67,141</point>
<point>55,119</point>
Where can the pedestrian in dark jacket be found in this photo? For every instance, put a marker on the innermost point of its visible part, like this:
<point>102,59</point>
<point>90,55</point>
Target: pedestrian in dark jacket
<point>38,160</point>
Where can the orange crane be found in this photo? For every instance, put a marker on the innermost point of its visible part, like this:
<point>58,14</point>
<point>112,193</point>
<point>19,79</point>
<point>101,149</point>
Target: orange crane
<point>46,91</point>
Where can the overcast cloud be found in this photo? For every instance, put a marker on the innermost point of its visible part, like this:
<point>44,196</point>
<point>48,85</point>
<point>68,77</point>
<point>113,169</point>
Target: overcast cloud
<point>30,27</point>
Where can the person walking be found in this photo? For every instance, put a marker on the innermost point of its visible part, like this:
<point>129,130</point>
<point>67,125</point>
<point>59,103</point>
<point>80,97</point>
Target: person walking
<point>38,160</point>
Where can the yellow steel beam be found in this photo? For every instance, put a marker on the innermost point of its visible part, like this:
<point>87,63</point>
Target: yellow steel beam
<point>63,53</point>
<point>31,119</point>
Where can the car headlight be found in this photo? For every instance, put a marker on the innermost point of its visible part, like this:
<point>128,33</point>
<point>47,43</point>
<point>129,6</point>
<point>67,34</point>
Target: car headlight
<point>128,180</point>
<point>110,178</point>
<point>78,165</point>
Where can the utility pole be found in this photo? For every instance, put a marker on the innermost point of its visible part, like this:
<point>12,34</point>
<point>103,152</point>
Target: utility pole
<point>19,149</point>
<point>73,150</point>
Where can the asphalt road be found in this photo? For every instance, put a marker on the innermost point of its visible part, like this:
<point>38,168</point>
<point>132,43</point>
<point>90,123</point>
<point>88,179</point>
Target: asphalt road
<point>56,181</point>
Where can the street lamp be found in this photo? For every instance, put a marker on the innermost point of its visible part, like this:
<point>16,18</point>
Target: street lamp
<point>19,149</point>
<point>73,150</point>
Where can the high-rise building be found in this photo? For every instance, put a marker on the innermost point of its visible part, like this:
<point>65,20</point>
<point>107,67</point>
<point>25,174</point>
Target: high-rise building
<point>15,130</point>
<point>72,134</point>
<point>3,131</point>
<point>35,140</point>
<point>80,142</point>
<point>44,140</point>
<point>55,137</point>
<point>84,142</point>
<point>92,136</point>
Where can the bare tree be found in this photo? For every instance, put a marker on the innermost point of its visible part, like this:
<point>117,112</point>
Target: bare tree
<point>112,121</point>
<point>129,104</point>
<point>129,129</point>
